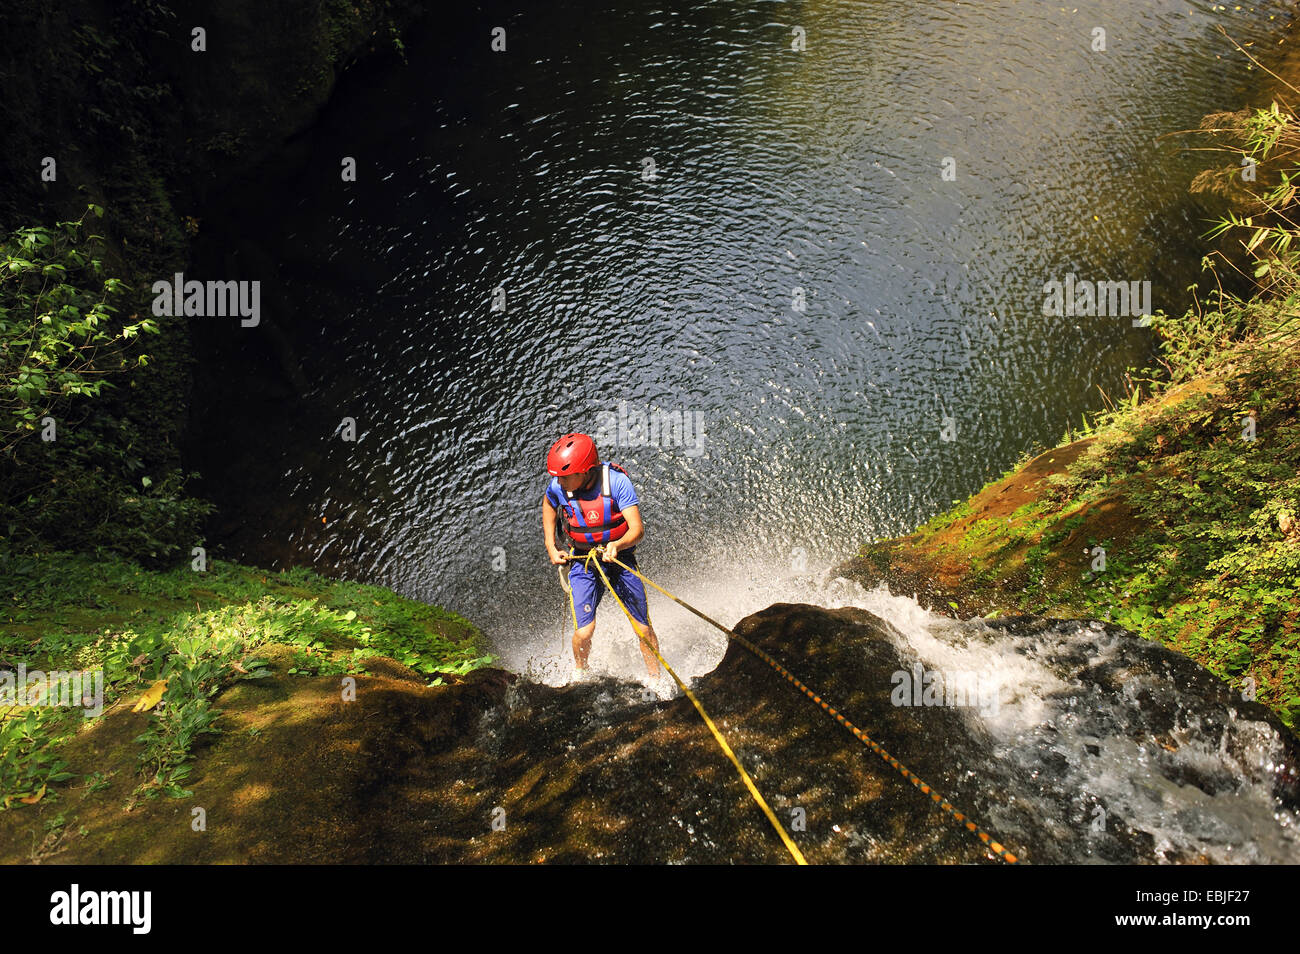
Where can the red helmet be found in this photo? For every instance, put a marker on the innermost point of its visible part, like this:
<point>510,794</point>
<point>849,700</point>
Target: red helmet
<point>572,454</point>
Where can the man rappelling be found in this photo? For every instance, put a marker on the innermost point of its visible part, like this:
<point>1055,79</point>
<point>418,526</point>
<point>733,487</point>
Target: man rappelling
<point>600,509</point>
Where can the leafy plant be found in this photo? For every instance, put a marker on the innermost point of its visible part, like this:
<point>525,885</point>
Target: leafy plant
<point>28,761</point>
<point>58,337</point>
<point>79,612</point>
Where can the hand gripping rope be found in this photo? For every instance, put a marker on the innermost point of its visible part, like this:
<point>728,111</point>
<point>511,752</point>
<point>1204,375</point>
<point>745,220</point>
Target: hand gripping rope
<point>992,844</point>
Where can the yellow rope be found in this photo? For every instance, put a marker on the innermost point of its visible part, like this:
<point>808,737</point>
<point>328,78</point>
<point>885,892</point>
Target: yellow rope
<point>564,583</point>
<point>717,735</point>
<point>996,847</point>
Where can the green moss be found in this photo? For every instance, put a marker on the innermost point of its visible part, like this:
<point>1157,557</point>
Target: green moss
<point>201,632</point>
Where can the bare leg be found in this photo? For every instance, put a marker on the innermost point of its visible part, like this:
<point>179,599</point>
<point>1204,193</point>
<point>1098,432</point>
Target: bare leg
<point>651,662</point>
<point>582,644</point>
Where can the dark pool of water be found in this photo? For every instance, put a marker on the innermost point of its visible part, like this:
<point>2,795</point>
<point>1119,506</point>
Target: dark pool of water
<point>797,281</point>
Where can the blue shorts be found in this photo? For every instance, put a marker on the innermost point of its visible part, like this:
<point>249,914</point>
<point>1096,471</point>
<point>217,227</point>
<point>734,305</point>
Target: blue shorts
<point>589,588</point>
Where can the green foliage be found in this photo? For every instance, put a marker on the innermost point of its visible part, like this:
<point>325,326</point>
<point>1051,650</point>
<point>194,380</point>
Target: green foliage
<point>1207,557</point>
<point>102,508</point>
<point>62,346</point>
<point>72,612</point>
<point>58,337</point>
<point>205,653</point>
<point>1265,230</point>
<point>28,759</point>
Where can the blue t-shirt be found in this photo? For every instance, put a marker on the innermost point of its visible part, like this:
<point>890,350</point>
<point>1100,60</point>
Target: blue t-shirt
<point>621,492</point>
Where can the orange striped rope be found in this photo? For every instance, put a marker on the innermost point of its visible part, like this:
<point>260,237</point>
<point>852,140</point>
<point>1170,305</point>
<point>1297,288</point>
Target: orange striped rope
<point>961,818</point>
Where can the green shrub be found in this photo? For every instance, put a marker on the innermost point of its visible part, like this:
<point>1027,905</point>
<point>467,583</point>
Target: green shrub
<point>58,337</point>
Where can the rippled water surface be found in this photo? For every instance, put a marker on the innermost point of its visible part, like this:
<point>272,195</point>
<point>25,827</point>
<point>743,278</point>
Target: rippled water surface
<point>654,190</point>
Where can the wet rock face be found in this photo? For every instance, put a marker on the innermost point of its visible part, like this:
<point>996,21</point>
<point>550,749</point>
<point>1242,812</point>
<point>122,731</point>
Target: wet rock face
<point>598,772</point>
<point>1109,747</point>
<point>1096,746</point>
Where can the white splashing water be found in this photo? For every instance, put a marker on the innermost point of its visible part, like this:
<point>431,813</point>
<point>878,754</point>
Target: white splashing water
<point>1075,754</point>
<point>728,590</point>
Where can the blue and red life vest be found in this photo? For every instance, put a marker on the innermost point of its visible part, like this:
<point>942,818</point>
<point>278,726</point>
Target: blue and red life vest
<point>592,521</point>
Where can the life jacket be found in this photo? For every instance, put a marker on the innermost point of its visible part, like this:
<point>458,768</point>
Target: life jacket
<point>592,521</point>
